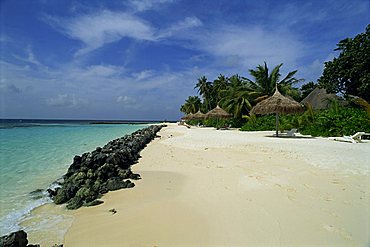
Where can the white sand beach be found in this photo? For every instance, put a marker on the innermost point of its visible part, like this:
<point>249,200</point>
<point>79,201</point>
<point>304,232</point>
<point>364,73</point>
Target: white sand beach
<point>207,187</point>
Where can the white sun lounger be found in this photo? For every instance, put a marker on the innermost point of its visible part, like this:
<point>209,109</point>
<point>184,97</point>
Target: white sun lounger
<point>356,138</point>
<point>290,133</point>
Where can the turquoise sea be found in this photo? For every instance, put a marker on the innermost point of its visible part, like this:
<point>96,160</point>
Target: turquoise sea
<point>34,154</point>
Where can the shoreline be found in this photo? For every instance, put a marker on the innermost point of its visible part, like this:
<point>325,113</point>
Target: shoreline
<point>233,188</point>
<point>31,221</point>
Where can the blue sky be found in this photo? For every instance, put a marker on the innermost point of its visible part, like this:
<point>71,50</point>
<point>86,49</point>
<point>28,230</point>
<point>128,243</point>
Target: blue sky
<point>141,59</point>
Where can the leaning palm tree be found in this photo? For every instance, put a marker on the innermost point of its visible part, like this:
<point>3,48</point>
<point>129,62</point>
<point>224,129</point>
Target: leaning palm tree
<point>264,83</point>
<point>192,105</point>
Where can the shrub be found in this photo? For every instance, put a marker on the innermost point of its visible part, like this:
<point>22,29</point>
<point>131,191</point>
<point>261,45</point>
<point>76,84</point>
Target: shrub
<point>335,121</point>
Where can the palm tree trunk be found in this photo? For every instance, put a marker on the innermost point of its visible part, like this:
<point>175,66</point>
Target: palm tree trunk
<point>277,124</point>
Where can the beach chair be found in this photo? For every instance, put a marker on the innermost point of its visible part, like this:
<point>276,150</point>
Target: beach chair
<point>290,133</point>
<point>226,127</point>
<point>356,138</point>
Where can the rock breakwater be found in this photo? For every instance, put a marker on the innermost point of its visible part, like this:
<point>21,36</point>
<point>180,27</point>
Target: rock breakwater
<point>105,169</point>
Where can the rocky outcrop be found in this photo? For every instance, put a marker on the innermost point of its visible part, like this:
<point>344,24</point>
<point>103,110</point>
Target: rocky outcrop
<point>16,239</point>
<point>19,239</point>
<point>105,169</point>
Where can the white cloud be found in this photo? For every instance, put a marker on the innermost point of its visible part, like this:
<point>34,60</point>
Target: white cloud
<point>250,46</point>
<point>187,23</point>
<point>143,5</point>
<point>98,29</point>
<point>29,57</point>
<point>65,100</point>
<point>143,74</point>
<point>98,71</point>
<point>128,102</point>
<point>103,27</point>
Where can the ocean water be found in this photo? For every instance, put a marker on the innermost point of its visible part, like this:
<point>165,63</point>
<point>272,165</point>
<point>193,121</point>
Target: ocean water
<point>34,154</point>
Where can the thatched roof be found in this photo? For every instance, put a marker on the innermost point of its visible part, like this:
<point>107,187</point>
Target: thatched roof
<point>199,115</point>
<point>188,117</point>
<point>218,112</point>
<point>319,99</point>
<point>277,103</point>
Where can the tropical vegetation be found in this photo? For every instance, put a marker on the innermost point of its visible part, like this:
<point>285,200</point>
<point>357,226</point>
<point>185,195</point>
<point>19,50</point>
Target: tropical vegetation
<point>348,76</point>
<point>349,73</point>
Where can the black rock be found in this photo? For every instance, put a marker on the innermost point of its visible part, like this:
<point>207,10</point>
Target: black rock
<point>87,193</point>
<point>75,203</point>
<point>93,174</point>
<point>51,192</point>
<point>115,183</point>
<point>60,196</point>
<point>15,239</point>
<point>129,184</point>
<point>37,194</point>
<point>134,176</point>
<point>93,203</point>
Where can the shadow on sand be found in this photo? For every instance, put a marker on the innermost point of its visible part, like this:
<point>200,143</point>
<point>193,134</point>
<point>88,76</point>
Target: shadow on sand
<point>291,137</point>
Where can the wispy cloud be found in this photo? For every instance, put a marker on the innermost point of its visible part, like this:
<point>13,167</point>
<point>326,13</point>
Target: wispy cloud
<point>143,75</point>
<point>187,23</point>
<point>103,27</point>
<point>249,46</point>
<point>143,5</point>
<point>128,102</point>
<point>65,100</point>
<point>98,29</point>
<point>29,56</point>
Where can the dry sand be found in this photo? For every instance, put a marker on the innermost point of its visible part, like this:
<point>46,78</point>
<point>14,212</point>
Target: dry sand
<point>206,187</point>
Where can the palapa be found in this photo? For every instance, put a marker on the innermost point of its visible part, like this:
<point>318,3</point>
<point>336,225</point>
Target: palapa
<point>198,115</point>
<point>188,117</point>
<point>218,112</point>
<point>277,103</point>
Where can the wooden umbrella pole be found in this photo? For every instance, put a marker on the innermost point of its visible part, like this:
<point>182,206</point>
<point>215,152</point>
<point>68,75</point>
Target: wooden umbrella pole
<point>277,124</point>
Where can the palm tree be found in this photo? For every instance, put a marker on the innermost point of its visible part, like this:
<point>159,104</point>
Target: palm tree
<point>221,83</point>
<point>191,105</point>
<point>205,90</point>
<point>264,83</point>
<point>237,98</point>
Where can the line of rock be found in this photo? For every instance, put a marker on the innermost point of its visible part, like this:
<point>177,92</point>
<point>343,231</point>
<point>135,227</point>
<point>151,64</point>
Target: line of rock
<point>106,169</point>
<point>19,239</point>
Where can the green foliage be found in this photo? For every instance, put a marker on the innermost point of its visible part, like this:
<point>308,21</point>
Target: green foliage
<point>307,88</point>
<point>264,82</point>
<point>217,123</point>
<point>237,97</point>
<point>350,72</point>
<point>205,89</point>
<point>192,105</point>
<point>259,123</point>
<point>335,121</point>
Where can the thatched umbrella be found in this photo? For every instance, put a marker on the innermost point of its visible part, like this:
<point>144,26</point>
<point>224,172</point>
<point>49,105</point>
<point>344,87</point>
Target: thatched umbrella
<point>277,103</point>
<point>188,117</point>
<point>198,116</point>
<point>218,113</point>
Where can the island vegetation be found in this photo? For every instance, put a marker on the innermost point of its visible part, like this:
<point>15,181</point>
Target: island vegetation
<point>347,76</point>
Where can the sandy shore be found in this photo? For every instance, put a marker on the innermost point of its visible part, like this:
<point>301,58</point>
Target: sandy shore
<point>203,187</point>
